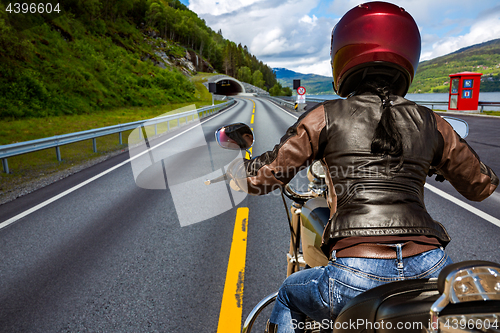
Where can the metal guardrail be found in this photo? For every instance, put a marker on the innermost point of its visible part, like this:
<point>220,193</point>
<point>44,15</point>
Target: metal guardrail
<point>314,99</point>
<point>280,101</point>
<point>483,104</point>
<point>60,140</point>
<point>480,104</point>
<point>431,103</point>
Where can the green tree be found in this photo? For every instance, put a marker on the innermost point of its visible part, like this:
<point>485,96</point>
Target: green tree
<point>154,13</point>
<point>275,90</point>
<point>287,91</point>
<point>91,8</point>
<point>258,79</point>
<point>245,74</point>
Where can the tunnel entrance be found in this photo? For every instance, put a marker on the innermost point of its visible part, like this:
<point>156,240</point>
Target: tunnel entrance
<point>229,87</point>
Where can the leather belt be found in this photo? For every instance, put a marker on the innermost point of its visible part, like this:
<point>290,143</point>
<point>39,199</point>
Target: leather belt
<point>383,251</point>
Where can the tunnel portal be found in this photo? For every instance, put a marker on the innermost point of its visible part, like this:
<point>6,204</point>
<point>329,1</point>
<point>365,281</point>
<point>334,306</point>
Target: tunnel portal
<point>229,87</point>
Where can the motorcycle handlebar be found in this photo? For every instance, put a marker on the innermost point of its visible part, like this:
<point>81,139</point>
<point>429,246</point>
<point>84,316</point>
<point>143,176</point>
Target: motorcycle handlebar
<point>216,180</point>
<point>293,194</point>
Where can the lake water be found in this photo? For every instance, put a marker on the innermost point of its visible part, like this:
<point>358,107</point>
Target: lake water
<point>442,97</point>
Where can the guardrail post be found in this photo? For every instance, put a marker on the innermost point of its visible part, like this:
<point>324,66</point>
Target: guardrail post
<point>5,165</point>
<point>94,145</point>
<point>178,122</point>
<point>58,154</point>
<point>168,125</point>
<point>120,139</point>
<point>482,108</point>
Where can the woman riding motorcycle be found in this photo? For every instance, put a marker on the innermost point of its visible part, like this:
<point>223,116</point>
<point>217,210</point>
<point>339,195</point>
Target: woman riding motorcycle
<point>378,149</point>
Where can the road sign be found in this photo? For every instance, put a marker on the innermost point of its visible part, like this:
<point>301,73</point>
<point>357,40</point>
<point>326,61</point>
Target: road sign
<point>296,84</point>
<point>301,90</point>
<point>301,98</point>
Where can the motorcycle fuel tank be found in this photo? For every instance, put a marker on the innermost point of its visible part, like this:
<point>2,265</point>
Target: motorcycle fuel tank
<point>314,217</point>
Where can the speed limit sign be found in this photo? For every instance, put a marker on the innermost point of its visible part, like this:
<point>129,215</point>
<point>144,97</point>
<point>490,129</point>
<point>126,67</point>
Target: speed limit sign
<point>301,90</point>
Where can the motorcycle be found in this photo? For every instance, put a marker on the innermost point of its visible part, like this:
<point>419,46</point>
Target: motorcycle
<point>465,297</point>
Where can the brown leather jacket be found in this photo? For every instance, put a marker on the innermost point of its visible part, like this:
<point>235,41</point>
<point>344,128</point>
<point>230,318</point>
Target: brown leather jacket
<point>369,195</point>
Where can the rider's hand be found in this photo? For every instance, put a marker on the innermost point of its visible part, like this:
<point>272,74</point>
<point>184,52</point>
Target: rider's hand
<point>234,186</point>
<point>439,177</point>
<point>236,171</point>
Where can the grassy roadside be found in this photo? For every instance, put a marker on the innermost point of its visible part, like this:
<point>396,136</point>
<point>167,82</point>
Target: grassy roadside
<point>492,113</point>
<point>40,167</point>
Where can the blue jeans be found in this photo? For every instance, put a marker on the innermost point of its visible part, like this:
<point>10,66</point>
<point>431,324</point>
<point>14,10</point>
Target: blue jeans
<point>322,292</point>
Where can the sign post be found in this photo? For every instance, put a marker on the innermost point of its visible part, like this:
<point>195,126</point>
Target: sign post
<point>212,88</point>
<point>301,98</point>
<point>301,94</point>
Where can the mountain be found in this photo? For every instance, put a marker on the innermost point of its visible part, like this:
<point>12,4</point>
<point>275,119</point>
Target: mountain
<point>433,75</point>
<point>314,84</point>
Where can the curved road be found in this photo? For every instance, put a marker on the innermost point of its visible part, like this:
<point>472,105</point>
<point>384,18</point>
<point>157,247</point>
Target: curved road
<point>106,255</point>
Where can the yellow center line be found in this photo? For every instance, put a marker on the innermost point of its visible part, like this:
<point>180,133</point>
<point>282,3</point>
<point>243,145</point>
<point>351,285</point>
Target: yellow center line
<point>232,299</point>
<point>251,120</point>
<point>247,155</point>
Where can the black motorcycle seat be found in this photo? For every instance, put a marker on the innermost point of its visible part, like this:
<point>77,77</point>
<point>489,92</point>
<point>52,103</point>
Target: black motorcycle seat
<point>395,304</point>
<point>404,306</point>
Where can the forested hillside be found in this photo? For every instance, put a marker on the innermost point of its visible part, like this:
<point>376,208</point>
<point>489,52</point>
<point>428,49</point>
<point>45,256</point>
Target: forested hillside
<point>433,75</point>
<point>102,54</point>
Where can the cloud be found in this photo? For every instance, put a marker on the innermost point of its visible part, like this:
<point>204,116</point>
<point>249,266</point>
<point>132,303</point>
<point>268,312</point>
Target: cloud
<point>445,25</point>
<point>322,67</point>
<point>219,7</point>
<point>310,65</point>
<point>277,32</point>
<point>309,20</point>
<point>484,30</point>
<point>295,34</point>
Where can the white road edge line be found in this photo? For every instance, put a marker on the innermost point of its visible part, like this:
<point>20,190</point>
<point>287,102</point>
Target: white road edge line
<point>76,187</point>
<point>464,205</point>
<point>443,194</point>
<point>286,111</point>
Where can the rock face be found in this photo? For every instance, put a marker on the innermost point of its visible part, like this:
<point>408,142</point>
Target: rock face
<point>198,63</point>
<point>190,63</point>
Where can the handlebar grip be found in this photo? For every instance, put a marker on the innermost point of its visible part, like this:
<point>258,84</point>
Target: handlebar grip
<point>216,180</point>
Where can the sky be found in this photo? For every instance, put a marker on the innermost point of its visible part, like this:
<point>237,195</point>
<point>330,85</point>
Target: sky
<point>295,34</point>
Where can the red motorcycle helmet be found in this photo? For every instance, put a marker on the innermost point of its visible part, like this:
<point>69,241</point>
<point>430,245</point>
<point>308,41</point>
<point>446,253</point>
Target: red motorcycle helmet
<point>376,38</point>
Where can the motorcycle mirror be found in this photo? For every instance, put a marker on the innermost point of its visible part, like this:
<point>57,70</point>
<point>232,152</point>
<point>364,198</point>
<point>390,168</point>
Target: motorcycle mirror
<point>460,126</point>
<point>236,136</point>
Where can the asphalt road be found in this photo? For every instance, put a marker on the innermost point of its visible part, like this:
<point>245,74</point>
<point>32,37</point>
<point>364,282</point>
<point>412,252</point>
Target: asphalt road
<point>111,256</point>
